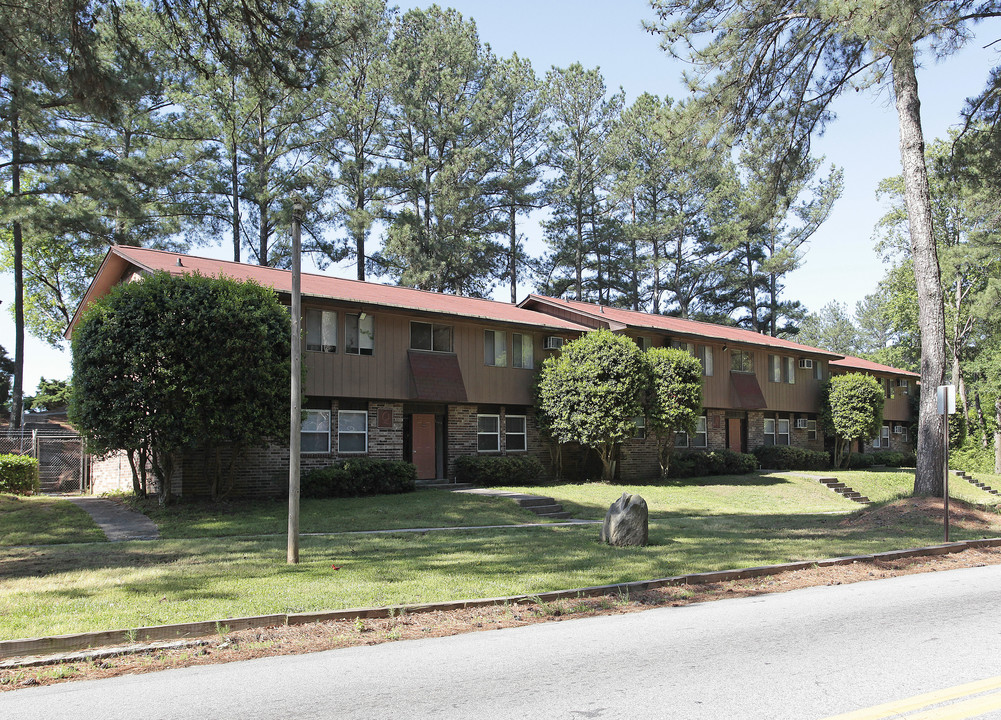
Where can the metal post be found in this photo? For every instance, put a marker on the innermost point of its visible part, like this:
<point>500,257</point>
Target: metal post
<point>294,445</point>
<point>945,434</point>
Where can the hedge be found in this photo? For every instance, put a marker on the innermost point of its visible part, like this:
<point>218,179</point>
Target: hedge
<point>787,457</point>
<point>18,474</point>
<point>498,470</point>
<point>360,476</point>
<point>695,463</point>
<point>888,458</point>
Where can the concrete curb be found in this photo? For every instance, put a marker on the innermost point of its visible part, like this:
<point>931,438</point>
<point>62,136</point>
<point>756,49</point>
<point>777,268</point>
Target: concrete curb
<point>25,651</point>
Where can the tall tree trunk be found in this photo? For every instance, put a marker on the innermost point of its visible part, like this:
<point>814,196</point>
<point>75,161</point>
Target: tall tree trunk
<point>234,176</point>
<point>17,393</point>
<point>262,190</point>
<point>928,480</point>
<point>957,340</point>
<point>512,233</point>
<point>997,436</point>
<point>980,419</point>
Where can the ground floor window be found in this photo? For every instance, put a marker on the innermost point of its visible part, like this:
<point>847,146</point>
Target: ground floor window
<point>811,429</point>
<point>883,439</point>
<point>639,427</point>
<point>488,433</point>
<point>776,431</point>
<point>681,439</point>
<point>352,431</point>
<point>701,437</point>
<point>515,438</point>
<point>315,433</point>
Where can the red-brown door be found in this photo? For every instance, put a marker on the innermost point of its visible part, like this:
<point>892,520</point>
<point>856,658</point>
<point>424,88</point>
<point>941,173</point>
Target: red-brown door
<point>735,434</point>
<point>424,447</point>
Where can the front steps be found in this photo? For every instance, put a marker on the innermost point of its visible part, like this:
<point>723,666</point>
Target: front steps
<point>544,507</point>
<point>840,488</point>
<point>976,483</point>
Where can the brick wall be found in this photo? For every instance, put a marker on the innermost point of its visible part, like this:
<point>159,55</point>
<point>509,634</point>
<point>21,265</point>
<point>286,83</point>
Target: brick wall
<point>461,434</point>
<point>638,459</point>
<point>755,429</point>
<point>717,435</point>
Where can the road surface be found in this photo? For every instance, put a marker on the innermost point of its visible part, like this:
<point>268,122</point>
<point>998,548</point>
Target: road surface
<point>812,653</point>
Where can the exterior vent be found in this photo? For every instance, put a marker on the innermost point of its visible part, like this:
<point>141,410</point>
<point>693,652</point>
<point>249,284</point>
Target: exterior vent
<point>898,429</point>
<point>553,343</point>
<point>802,423</point>
<point>805,364</point>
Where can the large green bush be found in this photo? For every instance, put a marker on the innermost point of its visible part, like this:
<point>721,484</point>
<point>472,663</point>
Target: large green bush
<point>972,458</point>
<point>18,474</point>
<point>697,463</point>
<point>786,457</point>
<point>851,409</point>
<point>886,458</point>
<point>498,470</point>
<point>358,477</point>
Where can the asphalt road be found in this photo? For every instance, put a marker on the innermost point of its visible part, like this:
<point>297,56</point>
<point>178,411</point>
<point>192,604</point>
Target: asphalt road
<point>811,653</point>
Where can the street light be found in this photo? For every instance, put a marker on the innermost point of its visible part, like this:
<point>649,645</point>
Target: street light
<point>295,417</point>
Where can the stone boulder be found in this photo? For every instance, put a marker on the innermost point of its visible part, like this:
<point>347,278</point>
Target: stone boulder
<point>626,522</point>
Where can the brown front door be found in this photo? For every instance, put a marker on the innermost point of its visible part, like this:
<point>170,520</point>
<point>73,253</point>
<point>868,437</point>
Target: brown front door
<point>424,447</point>
<point>735,434</point>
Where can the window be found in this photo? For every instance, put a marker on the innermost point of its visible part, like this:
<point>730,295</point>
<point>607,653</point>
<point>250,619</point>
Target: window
<point>495,348</point>
<point>430,336</point>
<point>701,438</point>
<point>774,368</point>
<point>769,431</point>
<point>883,439</point>
<point>782,431</point>
<point>522,351</point>
<point>818,370</point>
<point>741,361</point>
<point>686,346</point>
<point>515,437</point>
<point>488,433</point>
<point>789,370</point>
<point>639,429</point>
<point>321,330</point>
<point>705,356</point>
<point>905,385</point>
<point>645,343</point>
<point>903,435</point>
<point>680,439</point>
<point>888,385</point>
<point>359,334</point>
<point>314,437</point>
<point>352,431</point>
<point>811,429</point>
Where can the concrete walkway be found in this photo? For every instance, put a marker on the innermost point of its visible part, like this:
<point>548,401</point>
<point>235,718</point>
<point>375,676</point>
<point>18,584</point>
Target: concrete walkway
<point>117,522</point>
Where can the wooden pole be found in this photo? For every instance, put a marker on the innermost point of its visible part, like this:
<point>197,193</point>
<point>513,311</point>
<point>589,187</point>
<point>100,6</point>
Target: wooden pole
<point>294,444</point>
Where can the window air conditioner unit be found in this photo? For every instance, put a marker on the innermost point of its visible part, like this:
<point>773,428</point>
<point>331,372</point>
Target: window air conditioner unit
<point>805,364</point>
<point>802,423</point>
<point>898,429</point>
<point>553,343</point>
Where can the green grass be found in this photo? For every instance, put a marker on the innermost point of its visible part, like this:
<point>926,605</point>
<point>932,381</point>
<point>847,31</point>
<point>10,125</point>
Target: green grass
<point>40,520</point>
<point>727,494</point>
<point>421,509</point>
<point>62,589</point>
<point>886,484</point>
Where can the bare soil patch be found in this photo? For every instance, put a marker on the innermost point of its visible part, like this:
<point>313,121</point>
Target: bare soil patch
<point>908,511</point>
<point>314,637</point>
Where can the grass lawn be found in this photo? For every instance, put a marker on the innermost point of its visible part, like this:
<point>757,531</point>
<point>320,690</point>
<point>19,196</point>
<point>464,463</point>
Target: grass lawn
<point>421,509</point>
<point>885,484</point>
<point>41,520</point>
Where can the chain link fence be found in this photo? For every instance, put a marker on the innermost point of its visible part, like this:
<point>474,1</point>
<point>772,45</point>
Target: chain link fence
<point>62,458</point>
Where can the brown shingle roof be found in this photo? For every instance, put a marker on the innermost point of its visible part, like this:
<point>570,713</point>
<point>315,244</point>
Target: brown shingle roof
<point>850,362</point>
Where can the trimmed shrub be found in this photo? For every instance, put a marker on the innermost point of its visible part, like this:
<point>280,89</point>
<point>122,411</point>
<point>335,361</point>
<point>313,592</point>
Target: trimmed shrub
<point>695,463</point>
<point>787,457</point>
<point>18,474</point>
<point>498,470</point>
<point>358,477</point>
<point>889,458</point>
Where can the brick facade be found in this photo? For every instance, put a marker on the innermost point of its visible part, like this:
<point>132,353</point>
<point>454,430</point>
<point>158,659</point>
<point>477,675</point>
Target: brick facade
<point>716,427</point>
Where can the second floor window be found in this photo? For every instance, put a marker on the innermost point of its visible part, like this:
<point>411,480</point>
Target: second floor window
<point>705,356</point>
<point>321,330</point>
<point>430,336</point>
<point>522,351</point>
<point>495,348</point>
<point>741,361</point>
<point>359,334</point>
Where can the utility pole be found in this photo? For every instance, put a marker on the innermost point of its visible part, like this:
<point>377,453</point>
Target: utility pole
<point>295,440</point>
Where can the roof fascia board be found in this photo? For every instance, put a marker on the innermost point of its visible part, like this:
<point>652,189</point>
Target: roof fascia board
<point>599,318</point>
<point>88,297</point>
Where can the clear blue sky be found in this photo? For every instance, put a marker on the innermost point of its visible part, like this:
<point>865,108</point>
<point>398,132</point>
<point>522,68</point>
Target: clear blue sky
<point>839,263</point>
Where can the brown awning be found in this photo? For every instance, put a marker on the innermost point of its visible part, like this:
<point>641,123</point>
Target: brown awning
<point>436,377</point>
<point>747,392</point>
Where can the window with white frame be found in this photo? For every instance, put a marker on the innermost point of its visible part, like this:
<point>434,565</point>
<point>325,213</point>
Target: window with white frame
<point>431,336</point>
<point>321,330</point>
<point>352,431</point>
<point>314,436</point>
<point>682,345</point>
<point>774,369</point>
<point>639,427</point>
<point>818,370</point>
<point>488,433</point>
<point>741,361</point>
<point>905,385</point>
<point>789,370</point>
<point>495,348</point>
<point>701,437</point>
<point>359,334</point>
<point>769,431</point>
<point>811,429</point>
<point>705,356</point>
<point>522,351</point>
<point>782,431</point>
<point>883,439</point>
<point>681,439</point>
<point>515,436</point>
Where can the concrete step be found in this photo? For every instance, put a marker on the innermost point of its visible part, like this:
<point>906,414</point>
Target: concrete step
<point>556,515</point>
<point>546,509</point>
<point>862,499</point>
<point>531,502</point>
<point>852,495</point>
<point>443,486</point>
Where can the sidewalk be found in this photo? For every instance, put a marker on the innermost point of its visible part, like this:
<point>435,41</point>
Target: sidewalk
<point>118,523</point>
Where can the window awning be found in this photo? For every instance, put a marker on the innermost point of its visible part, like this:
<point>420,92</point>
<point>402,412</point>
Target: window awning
<point>436,377</point>
<point>746,391</point>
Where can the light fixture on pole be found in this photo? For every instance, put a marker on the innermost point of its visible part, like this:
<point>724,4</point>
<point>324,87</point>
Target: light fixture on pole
<point>295,416</point>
